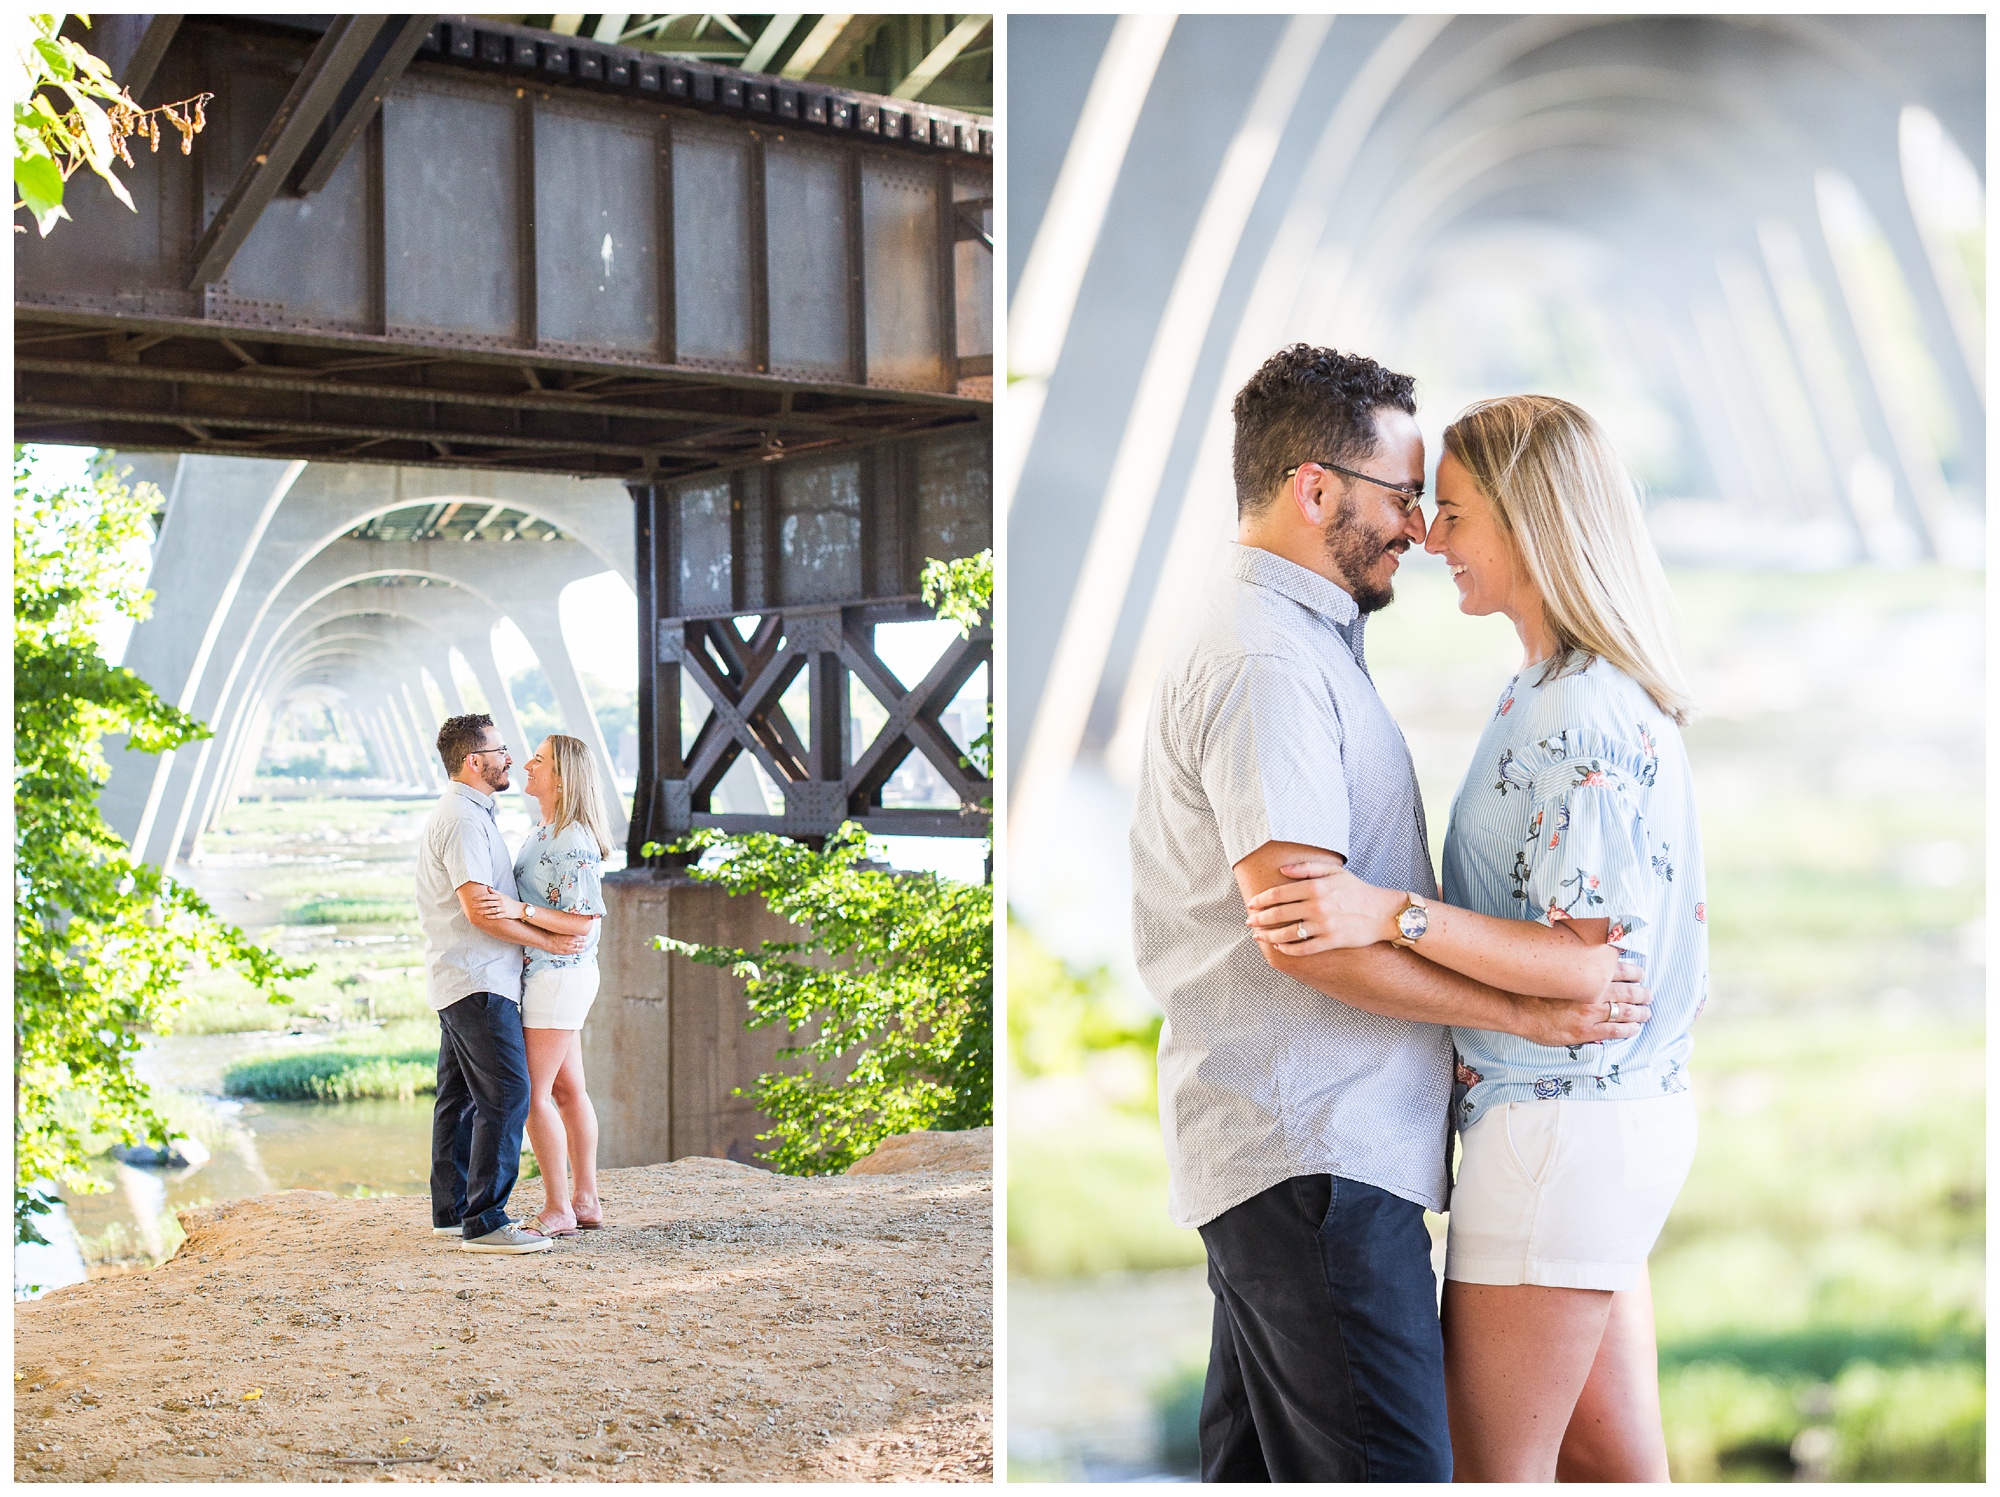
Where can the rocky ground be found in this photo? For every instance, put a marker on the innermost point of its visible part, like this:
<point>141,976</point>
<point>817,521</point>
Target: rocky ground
<point>729,1325</point>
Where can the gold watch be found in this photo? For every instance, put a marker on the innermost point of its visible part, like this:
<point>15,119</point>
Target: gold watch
<point>1412,922</point>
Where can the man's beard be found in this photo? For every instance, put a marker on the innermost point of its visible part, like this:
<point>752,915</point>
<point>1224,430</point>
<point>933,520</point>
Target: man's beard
<point>496,780</point>
<point>1355,551</point>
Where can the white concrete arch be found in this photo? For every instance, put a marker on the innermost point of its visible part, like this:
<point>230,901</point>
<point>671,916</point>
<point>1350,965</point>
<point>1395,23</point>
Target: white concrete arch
<point>352,614</point>
<point>530,576</point>
<point>207,617</point>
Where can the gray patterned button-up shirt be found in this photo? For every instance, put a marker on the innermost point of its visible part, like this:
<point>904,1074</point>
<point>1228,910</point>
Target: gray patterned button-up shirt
<point>462,845</point>
<point>1266,727</point>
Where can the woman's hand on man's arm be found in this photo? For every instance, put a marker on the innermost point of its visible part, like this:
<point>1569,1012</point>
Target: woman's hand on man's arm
<point>1401,984</point>
<point>1566,959</point>
<point>476,900</point>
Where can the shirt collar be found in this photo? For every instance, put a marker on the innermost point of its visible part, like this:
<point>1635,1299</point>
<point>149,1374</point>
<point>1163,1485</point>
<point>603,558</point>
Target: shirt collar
<point>1261,568</point>
<point>487,803</point>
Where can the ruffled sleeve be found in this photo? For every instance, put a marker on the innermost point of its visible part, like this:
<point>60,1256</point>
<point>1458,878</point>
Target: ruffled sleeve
<point>1589,853</point>
<point>576,875</point>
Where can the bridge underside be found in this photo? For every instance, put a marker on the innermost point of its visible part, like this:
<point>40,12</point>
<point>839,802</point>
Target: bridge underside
<point>765,308</point>
<point>138,384</point>
<point>456,242</point>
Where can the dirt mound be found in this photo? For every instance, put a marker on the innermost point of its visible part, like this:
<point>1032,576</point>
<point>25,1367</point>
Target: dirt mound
<point>729,1325</point>
<point>927,1149</point>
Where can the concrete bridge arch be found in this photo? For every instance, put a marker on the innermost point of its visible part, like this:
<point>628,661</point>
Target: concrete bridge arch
<point>209,646</point>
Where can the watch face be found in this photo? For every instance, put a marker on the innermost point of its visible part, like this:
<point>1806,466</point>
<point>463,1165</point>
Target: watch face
<point>1413,922</point>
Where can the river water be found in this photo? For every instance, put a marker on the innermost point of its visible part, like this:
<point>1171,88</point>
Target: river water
<point>350,1148</point>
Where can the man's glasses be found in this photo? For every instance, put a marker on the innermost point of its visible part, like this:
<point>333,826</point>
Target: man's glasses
<point>1413,494</point>
<point>500,749</point>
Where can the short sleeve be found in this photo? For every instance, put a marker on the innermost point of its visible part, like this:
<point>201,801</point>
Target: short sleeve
<point>462,850</point>
<point>1269,758</point>
<point>578,876</point>
<point>1589,855</point>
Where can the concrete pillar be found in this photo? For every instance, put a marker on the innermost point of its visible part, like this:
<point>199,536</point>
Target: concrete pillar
<point>196,575</point>
<point>543,629</point>
<point>395,736</point>
<point>414,737</point>
<point>665,1045</point>
<point>380,755</point>
<point>424,726</point>
<point>212,622</point>
<point>477,648</point>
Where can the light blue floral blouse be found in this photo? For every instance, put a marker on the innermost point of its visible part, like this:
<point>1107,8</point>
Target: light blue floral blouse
<point>1579,804</point>
<point>561,871</point>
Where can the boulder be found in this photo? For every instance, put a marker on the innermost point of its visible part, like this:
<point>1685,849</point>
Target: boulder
<point>928,1149</point>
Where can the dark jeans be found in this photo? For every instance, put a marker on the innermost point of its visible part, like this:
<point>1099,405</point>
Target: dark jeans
<point>1327,1364</point>
<point>482,1101</point>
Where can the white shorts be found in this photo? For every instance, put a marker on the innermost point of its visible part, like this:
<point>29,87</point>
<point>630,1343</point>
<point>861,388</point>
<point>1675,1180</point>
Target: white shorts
<point>1567,1194</point>
<point>558,997</point>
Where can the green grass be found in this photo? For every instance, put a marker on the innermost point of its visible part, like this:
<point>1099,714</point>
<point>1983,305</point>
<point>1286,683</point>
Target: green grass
<point>396,1063</point>
<point>338,991</point>
<point>352,911</point>
<point>1824,1269</point>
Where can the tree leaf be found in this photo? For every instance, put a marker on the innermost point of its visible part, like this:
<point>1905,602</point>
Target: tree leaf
<point>39,183</point>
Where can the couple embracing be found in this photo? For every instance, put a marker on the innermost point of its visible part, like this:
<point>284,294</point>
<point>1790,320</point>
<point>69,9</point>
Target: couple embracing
<point>1317,1055</point>
<point>511,952</point>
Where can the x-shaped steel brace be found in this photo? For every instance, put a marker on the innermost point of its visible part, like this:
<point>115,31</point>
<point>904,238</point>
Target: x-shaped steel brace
<point>743,703</point>
<point>744,679</point>
<point>913,716</point>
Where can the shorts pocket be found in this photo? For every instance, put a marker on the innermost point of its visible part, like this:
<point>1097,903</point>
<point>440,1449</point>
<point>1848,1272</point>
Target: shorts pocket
<point>1533,1130</point>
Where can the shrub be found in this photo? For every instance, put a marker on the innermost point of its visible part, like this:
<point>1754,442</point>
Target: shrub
<point>894,985</point>
<point>336,1075</point>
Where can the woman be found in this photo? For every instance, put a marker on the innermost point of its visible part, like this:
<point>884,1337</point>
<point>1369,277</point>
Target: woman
<point>558,872</point>
<point>1573,840</point>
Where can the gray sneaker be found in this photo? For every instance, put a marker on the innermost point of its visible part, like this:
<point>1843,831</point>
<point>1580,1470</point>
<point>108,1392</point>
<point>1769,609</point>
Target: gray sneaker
<point>509,1239</point>
<point>448,1231</point>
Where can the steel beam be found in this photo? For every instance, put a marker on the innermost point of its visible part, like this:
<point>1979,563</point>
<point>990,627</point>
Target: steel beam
<point>137,75</point>
<point>525,268</point>
<point>328,71</point>
<point>393,48</point>
<point>820,554</point>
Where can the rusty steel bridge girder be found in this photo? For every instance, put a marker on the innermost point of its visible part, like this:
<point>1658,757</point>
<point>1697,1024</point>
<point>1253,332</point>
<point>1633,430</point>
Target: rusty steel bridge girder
<point>812,556</point>
<point>534,253</point>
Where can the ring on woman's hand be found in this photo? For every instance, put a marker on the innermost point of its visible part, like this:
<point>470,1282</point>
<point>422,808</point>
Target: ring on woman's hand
<point>1614,1010</point>
<point>1302,931</point>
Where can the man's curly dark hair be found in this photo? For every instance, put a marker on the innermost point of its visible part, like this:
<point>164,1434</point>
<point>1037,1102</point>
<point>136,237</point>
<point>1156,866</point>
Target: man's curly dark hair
<point>1307,405</point>
<point>460,736</point>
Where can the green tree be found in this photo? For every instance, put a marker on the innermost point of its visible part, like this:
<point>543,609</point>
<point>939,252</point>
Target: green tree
<point>890,995</point>
<point>1058,1018</point>
<point>100,941</point>
<point>961,591</point>
<point>70,112</point>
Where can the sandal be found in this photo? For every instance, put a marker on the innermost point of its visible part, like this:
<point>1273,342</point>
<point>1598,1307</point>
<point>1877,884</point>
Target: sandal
<point>535,1224</point>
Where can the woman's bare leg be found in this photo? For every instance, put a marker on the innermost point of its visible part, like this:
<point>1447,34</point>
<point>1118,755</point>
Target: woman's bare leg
<point>546,1049</point>
<point>580,1123</point>
<point>1516,1357</point>
<point>1615,1433</point>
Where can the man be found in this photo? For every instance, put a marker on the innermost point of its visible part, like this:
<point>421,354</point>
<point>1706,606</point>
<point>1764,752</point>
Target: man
<point>473,980</point>
<point>1305,1107</point>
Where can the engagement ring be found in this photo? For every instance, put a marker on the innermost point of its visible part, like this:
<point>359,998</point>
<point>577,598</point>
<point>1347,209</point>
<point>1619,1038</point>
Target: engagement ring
<point>1614,1011</point>
<point>1302,930</point>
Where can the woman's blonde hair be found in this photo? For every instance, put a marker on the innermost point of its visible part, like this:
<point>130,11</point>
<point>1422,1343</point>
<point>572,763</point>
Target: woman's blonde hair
<point>577,800</point>
<point>1571,510</point>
